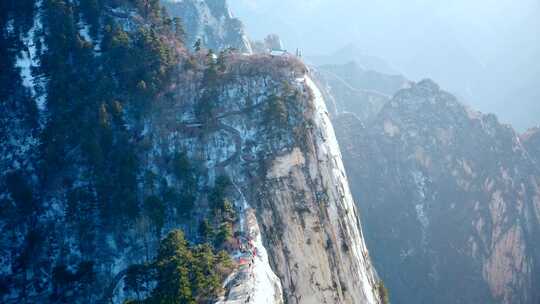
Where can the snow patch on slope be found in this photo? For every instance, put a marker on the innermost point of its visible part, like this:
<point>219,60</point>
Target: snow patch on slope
<point>267,285</point>
<point>84,32</point>
<point>29,59</point>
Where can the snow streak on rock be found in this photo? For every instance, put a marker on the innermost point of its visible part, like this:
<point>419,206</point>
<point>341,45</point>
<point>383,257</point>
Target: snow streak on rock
<point>255,283</point>
<point>267,284</point>
<point>29,58</point>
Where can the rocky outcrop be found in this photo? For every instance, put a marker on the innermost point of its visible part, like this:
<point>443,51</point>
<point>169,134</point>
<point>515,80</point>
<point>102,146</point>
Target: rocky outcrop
<point>211,21</point>
<point>449,199</point>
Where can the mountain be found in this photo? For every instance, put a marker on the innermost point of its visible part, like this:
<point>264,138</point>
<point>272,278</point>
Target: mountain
<point>449,199</point>
<point>352,88</point>
<point>211,21</point>
<point>352,53</point>
<point>136,171</point>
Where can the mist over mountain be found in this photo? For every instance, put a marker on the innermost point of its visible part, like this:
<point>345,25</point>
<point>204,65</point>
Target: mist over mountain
<point>480,50</point>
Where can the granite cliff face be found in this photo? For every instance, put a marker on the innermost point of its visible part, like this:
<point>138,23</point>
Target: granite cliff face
<point>449,199</point>
<point>113,134</point>
<point>322,241</point>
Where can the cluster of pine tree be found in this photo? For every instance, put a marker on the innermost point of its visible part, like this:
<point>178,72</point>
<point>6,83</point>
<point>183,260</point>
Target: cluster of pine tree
<point>184,273</point>
<point>181,273</point>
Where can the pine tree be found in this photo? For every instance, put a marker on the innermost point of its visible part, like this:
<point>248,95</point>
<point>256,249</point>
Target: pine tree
<point>155,209</point>
<point>207,281</point>
<point>198,45</point>
<point>186,176</point>
<point>173,271</point>
<point>276,111</point>
<point>218,193</point>
<point>229,213</point>
<point>205,230</point>
<point>224,235</point>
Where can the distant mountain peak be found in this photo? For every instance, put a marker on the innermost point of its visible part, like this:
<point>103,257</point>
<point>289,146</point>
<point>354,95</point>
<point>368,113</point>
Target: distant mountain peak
<point>429,85</point>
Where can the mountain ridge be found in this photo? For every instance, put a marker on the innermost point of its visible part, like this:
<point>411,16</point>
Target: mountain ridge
<point>444,190</point>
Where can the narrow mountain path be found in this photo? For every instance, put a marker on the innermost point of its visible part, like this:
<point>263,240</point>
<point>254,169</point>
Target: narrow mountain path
<point>237,137</point>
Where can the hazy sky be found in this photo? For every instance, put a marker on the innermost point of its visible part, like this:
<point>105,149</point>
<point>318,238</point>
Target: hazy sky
<point>487,51</point>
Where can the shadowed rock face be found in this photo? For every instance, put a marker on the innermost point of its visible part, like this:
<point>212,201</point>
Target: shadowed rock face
<point>211,21</point>
<point>449,200</point>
